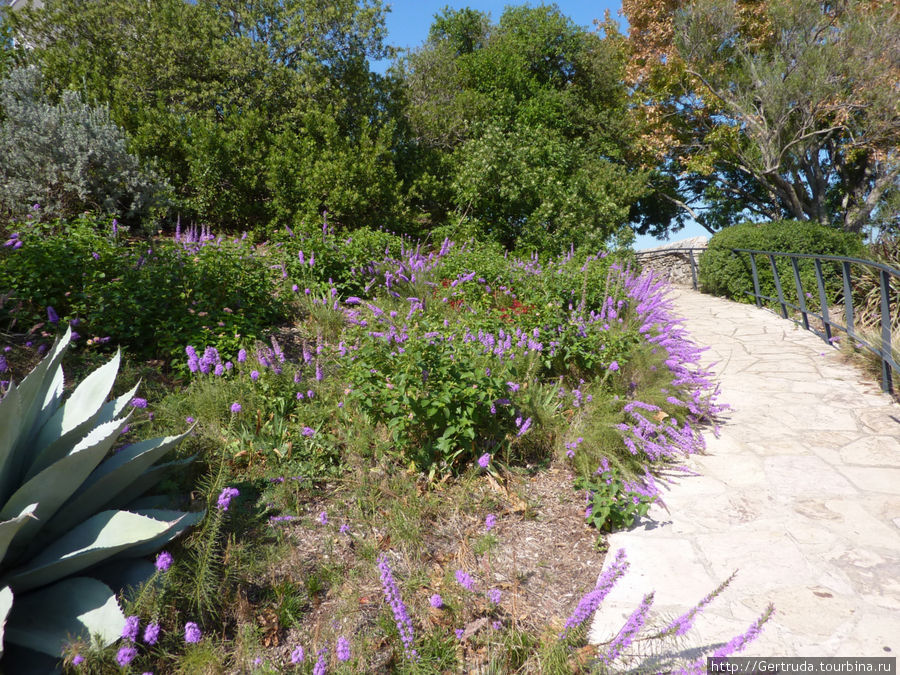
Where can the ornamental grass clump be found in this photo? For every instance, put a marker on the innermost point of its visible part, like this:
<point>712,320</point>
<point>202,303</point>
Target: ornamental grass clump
<point>68,501</point>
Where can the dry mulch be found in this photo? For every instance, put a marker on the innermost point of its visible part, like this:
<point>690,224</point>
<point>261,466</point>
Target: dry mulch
<point>544,560</point>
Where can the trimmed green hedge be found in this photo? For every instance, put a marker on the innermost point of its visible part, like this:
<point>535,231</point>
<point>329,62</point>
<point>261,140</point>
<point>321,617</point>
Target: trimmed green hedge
<point>727,274</point>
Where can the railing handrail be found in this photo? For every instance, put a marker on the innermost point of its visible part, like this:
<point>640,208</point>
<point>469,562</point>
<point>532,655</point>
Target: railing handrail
<point>885,272</point>
<point>832,258</point>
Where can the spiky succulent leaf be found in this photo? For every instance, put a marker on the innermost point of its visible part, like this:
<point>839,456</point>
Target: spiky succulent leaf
<point>74,417</point>
<point>96,539</point>
<point>124,574</point>
<point>9,528</point>
<point>147,480</point>
<point>6,603</point>
<point>10,414</point>
<point>55,484</point>
<point>27,402</point>
<point>41,390</point>
<point>179,520</point>
<point>53,480</point>
<point>113,477</point>
<point>48,619</point>
<point>63,445</point>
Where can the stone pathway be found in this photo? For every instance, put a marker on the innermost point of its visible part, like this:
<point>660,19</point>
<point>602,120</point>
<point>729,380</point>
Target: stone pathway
<point>801,494</point>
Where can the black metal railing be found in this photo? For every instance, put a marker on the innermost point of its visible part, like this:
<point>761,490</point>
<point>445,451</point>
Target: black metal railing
<point>689,250</point>
<point>884,351</point>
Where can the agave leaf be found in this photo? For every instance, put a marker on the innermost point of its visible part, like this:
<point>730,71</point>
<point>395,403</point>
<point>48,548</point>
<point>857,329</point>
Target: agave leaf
<point>63,445</point>
<point>112,477</point>
<point>10,413</point>
<point>75,415</point>
<point>146,481</point>
<point>6,603</point>
<point>25,404</point>
<point>9,528</point>
<point>40,387</point>
<point>180,521</point>
<point>91,542</point>
<point>18,659</point>
<point>115,407</point>
<point>48,619</point>
<point>55,484</point>
<point>121,575</point>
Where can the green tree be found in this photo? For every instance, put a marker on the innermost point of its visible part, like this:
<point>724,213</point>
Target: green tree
<point>774,109</point>
<point>526,122</point>
<point>209,90</point>
<point>68,157</point>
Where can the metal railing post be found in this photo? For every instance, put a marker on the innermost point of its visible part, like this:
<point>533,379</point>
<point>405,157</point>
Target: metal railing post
<point>848,299</point>
<point>801,297</point>
<point>756,292</point>
<point>882,346</point>
<point>823,299</point>
<point>886,345</point>
<point>784,313</point>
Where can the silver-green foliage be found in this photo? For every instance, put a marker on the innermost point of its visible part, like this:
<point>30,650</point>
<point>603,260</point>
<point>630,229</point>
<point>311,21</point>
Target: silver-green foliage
<point>68,515</point>
<point>68,156</point>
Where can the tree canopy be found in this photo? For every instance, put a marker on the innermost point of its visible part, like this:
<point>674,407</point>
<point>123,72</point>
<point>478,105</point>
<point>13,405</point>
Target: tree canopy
<point>530,116</point>
<point>772,109</point>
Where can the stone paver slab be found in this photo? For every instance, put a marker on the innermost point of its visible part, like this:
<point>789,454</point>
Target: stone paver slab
<point>801,492</point>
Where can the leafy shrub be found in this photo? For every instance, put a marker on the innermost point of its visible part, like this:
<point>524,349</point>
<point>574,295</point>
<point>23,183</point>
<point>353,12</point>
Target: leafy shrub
<point>69,506</point>
<point>68,157</point>
<point>730,275</point>
<point>150,297</point>
<point>444,401</point>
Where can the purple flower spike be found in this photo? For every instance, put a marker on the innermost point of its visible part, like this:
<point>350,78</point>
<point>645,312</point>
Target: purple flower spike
<point>235,408</point>
<point>484,460</point>
<point>436,601</point>
<point>52,316</point>
<point>139,402</point>
<point>163,561</point>
<point>192,632</point>
<point>151,633</point>
<point>465,580</point>
<point>225,498</point>
<point>614,366</point>
<point>343,649</point>
<point>132,628</point>
<point>591,601</point>
<point>298,655</point>
<point>490,521</point>
<point>125,656</point>
<point>401,615</point>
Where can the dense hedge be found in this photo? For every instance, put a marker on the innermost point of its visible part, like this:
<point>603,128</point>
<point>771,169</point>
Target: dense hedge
<point>725,273</point>
<point>151,296</point>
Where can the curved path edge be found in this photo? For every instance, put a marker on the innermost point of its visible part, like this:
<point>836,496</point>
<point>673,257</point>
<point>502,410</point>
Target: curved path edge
<point>800,493</point>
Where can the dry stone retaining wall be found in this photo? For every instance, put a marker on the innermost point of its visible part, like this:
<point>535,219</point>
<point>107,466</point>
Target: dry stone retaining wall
<point>675,266</point>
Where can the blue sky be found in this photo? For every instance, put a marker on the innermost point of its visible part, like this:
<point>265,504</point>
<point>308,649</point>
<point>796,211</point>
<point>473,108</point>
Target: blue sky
<point>409,20</point>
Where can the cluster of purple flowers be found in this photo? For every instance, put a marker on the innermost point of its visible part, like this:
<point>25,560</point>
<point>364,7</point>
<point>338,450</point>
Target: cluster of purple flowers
<point>14,241</point>
<point>591,601</point>
<point>225,498</point>
<point>629,631</point>
<point>465,580</point>
<point>395,600</point>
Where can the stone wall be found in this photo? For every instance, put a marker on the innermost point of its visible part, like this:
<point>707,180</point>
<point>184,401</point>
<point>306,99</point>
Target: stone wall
<point>675,266</point>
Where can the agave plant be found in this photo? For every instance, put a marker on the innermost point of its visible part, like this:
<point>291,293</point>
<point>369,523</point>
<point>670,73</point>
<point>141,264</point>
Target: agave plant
<point>74,525</point>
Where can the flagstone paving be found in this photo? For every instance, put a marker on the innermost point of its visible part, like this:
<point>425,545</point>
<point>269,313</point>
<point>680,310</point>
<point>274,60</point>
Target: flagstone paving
<point>800,494</point>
